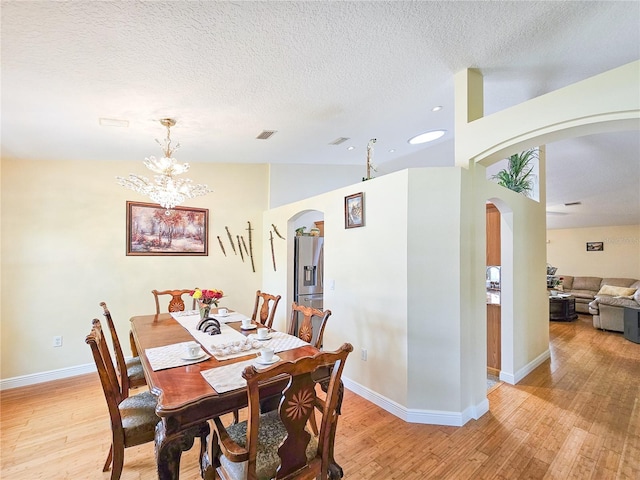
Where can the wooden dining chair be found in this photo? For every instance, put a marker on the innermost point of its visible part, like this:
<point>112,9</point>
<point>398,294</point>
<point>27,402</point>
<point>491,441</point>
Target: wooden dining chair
<point>267,309</point>
<point>129,371</point>
<point>133,418</point>
<point>278,442</point>
<point>302,322</point>
<point>176,304</point>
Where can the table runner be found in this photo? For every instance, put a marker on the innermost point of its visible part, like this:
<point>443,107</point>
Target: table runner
<point>170,356</point>
<point>279,341</point>
<point>190,323</point>
<point>225,350</point>
<point>231,343</point>
<point>194,315</point>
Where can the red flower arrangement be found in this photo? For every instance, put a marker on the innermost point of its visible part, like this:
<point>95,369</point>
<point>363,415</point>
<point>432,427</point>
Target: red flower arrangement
<point>208,297</point>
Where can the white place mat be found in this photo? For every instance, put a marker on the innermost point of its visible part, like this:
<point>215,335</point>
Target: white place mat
<point>279,341</point>
<point>227,378</point>
<point>170,356</point>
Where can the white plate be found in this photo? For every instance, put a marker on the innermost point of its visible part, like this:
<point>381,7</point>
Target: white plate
<point>275,359</point>
<point>250,327</point>
<point>197,357</point>
<point>221,314</point>
<point>263,339</point>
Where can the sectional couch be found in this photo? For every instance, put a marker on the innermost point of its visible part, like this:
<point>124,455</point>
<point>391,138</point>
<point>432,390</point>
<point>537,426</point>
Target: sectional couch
<point>604,298</point>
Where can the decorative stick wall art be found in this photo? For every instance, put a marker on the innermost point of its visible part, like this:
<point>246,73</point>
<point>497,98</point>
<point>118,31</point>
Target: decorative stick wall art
<point>231,240</point>
<point>275,229</point>
<point>246,250</point>
<point>240,248</point>
<point>273,254</point>
<point>221,245</point>
<point>251,247</point>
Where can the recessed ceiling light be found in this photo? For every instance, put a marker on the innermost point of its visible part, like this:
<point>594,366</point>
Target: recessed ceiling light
<point>436,108</point>
<point>392,150</point>
<point>426,137</point>
<point>112,122</point>
<point>339,140</point>
<point>351,148</point>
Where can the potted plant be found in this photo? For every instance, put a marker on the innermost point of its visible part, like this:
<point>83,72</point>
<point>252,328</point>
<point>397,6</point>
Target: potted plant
<point>517,176</point>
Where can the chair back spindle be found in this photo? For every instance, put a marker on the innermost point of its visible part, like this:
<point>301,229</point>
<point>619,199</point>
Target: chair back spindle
<point>267,310</point>
<point>176,304</point>
<point>302,322</point>
<point>277,444</point>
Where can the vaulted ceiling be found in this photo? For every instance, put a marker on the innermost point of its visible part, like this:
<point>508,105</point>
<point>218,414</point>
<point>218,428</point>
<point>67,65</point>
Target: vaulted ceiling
<point>314,72</point>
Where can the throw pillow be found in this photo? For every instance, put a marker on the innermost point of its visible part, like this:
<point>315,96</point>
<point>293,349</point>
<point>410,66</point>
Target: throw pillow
<point>617,291</point>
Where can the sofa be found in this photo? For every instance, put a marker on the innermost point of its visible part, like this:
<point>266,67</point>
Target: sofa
<point>603,298</point>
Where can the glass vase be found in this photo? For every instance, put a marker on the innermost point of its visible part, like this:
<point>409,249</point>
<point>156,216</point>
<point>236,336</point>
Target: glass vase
<point>205,308</point>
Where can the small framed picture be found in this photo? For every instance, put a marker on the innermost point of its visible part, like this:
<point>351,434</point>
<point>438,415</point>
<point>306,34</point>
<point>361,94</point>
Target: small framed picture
<point>354,210</point>
<point>595,246</point>
<point>150,231</point>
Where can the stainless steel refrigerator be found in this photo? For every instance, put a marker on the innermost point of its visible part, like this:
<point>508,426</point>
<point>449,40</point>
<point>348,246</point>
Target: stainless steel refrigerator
<point>308,273</point>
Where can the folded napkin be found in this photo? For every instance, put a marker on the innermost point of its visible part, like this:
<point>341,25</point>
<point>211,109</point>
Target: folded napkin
<point>170,356</point>
<point>227,378</point>
<point>279,341</point>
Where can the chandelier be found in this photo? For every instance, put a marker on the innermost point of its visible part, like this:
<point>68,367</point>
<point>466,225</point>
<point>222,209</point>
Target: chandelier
<point>166,190</point>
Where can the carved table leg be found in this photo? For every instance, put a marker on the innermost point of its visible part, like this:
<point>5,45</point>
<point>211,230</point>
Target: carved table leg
<point>335,470</point>
<point>169,451</point>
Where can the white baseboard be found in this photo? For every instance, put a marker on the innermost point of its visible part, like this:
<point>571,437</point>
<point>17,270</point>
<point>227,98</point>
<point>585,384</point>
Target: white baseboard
<point>429,417</point>
<point>526,370</point>
<point>34,378</point>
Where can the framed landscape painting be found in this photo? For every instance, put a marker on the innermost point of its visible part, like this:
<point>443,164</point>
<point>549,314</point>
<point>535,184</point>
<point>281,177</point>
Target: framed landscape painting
<point>154,230</point>
<point>595,246</point>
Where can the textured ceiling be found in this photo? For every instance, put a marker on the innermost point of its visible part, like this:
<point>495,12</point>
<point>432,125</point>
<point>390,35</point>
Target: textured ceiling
<point>313,71</point>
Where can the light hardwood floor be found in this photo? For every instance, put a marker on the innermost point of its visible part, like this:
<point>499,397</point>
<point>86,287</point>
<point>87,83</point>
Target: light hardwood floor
<point>577,416</point>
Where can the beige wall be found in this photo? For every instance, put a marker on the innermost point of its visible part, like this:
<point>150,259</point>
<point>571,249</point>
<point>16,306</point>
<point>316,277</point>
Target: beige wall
<point>63,251</point>
<point>396,285</point>
<point>566,249</point>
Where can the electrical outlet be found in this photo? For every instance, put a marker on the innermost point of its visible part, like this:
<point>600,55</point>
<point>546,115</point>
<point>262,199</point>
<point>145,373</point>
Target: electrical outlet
<point>363,355</point>
<point>57,341</point>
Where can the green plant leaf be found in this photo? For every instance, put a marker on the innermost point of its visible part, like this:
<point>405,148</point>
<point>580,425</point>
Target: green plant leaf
<point>517,176</point>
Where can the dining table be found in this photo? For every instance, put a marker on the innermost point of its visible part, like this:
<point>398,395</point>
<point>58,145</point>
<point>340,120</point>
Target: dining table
<point>190,392</point>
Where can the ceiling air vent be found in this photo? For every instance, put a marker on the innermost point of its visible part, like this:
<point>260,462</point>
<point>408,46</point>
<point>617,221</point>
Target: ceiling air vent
<point>112,122</point>
<point>266,134</point>
<point>571,204</point>
<point>339,140</point>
